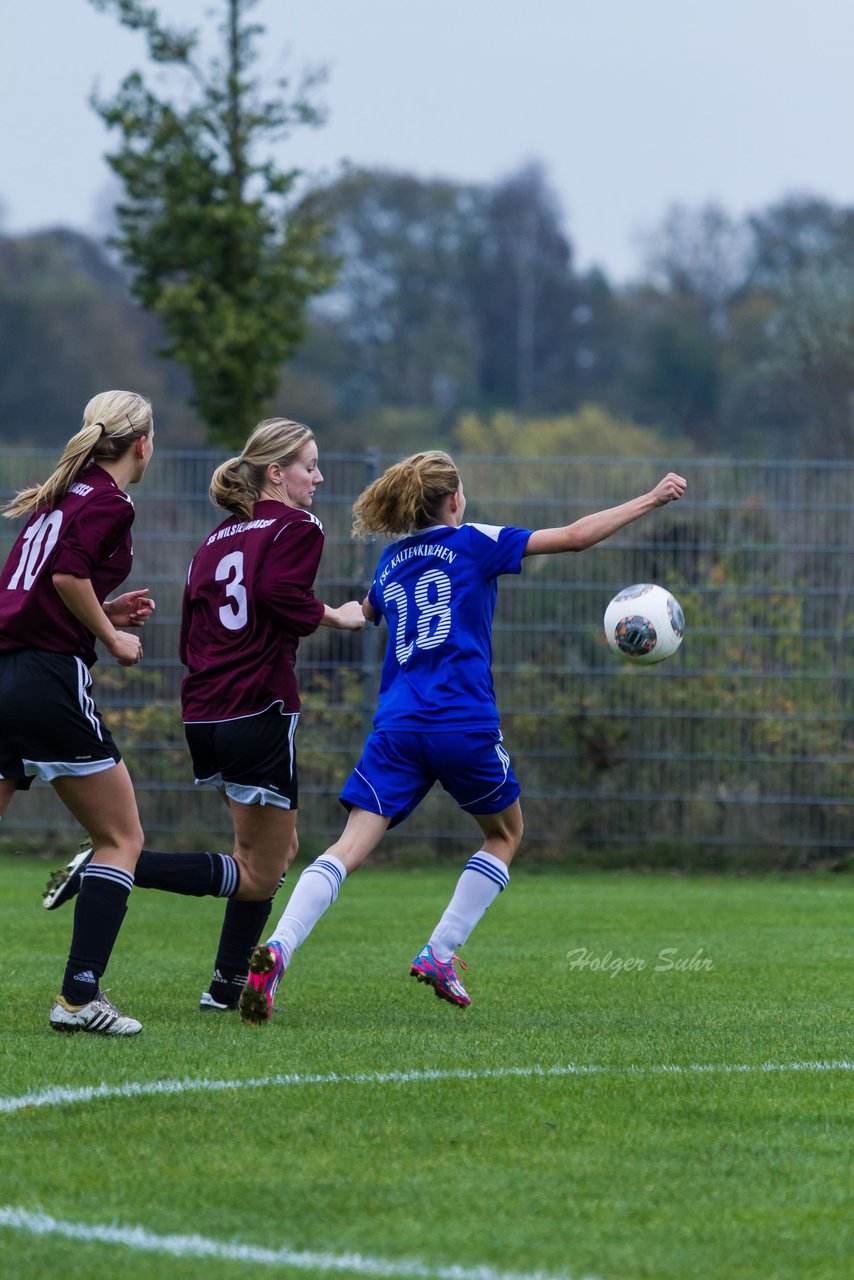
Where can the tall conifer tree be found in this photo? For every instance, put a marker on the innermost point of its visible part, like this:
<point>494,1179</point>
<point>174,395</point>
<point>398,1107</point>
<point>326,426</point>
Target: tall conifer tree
<point>216,242</point>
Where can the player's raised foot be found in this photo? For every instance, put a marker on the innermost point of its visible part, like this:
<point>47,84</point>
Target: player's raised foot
<point>99,1017</point>
<point>65,883</point>
<point>223,994</point>
<point>441,976</point>
<point>266,970</point>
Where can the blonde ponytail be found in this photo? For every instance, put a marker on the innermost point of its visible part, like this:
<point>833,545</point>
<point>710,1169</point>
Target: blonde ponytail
<point>236,484</point>
<point>407,496</point>
<point>229,489</point>
<point>112,421</point>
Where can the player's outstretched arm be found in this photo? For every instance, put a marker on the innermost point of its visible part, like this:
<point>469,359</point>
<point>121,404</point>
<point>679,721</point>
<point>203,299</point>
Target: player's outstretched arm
<point>594,528</point>
<point>347,617</point>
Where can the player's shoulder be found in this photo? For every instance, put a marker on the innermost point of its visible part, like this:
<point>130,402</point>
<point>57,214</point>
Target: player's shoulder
<point>95,490</point>
<point>491,531</point>
<point>297,518</point>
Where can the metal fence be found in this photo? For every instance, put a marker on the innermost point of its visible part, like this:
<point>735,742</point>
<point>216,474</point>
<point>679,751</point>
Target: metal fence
<point>740,748</point>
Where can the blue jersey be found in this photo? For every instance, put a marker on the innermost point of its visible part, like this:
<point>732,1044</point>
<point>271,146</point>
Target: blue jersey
<point>436,590</point>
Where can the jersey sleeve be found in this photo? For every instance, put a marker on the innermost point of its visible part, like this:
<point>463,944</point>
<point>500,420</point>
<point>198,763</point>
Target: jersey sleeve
<point>375,601</point>
<point>288,575</point>
<point>96,531</point>
<point>498,548</point>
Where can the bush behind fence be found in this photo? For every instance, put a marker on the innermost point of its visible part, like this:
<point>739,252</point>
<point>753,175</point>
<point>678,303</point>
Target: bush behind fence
<point>739,750</point>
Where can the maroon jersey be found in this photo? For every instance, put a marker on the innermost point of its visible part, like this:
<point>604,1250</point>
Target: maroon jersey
<point>247,601</point>
<point>87,534</point>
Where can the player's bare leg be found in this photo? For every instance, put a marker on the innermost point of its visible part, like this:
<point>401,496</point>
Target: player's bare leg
<point>314,893</point>
<point>8,787</point>
<point>265,845</point>
<point>105,805</point>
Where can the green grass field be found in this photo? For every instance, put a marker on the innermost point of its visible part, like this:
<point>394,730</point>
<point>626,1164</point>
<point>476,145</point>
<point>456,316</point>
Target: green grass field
<point>617,1170</point>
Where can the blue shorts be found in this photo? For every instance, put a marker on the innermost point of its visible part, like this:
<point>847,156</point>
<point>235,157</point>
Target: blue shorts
<point>399,767</point>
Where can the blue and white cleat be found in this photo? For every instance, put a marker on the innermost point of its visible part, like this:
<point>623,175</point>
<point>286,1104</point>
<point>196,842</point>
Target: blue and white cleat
<point>266,970</point>
<point>441,976</point>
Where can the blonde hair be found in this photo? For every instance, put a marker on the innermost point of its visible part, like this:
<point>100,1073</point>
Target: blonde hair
<point>112,420</point>
<point>407,496</point>
<point>236,484</point>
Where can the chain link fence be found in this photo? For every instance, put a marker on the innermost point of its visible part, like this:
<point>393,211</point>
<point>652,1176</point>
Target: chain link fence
<point>738,751</point>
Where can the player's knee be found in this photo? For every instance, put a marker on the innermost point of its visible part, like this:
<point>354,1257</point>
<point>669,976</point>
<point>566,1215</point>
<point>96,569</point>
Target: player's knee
<point>512,838</point>
<point>130,839</point>
<point>257,882</point>
<point>266,886</point>
<point>133,842</point>
<point>504,830</point>
<point>122,846</point>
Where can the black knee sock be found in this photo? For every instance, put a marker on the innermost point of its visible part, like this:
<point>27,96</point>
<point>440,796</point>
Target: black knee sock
<point>98,914</point>
<point>241,932</point>
<point>198,875</point>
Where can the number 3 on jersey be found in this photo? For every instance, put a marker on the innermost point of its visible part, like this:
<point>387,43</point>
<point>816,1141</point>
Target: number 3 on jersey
<point>433,622</point>
<point>235,614</point>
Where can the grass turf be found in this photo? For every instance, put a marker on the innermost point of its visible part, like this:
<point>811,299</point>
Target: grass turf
<point>624,1174</point>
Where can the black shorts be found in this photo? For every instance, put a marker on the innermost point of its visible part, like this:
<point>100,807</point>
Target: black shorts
<point>252,760</point>
<point>49,724</point>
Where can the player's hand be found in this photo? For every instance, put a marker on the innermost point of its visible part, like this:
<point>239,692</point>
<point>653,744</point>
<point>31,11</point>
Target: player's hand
<point>127,650</point>
<point>669,489</point>
<point>350,616</point>
<point>133,609</point>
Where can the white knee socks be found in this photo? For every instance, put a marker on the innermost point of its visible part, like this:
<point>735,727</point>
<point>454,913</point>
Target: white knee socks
<point>315,891</point>
<point>479,885</point>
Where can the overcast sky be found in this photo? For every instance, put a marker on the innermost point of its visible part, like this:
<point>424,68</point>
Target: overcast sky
<point>630,106</point>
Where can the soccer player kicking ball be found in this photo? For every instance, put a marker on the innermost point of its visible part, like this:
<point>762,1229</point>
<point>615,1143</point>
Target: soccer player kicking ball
<point>437,720</point>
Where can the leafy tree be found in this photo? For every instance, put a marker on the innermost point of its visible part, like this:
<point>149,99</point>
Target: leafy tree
<point>797,234</point>
<point>529,310</point>
<point>701,254</point>
<point>400,306</point>
<point>208,226</point>
<point>450,298</point>
<point>591,432</point>
<point>68,327</point>
<point>674,375</point>
<point>802,256</point>
<point>815,323</point>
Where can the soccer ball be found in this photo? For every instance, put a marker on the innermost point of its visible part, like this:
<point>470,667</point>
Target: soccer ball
<point>644,623</point>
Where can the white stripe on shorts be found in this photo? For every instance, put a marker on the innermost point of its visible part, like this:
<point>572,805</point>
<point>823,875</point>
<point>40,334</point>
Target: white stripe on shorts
<point>87,704</point>
<point>504,757</point>
<point>291,734</point>
<point>376,797</point>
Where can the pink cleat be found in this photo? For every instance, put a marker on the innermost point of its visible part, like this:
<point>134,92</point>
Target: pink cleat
<point>266,970</point>
<point>441,976</point>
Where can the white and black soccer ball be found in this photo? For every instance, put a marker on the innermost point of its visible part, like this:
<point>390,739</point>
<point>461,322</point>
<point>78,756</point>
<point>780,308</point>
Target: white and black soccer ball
<point>644,623</point>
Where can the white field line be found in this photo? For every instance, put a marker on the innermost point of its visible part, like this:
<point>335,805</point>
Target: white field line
<point>61,1095</point>
<point>41,1224</point>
